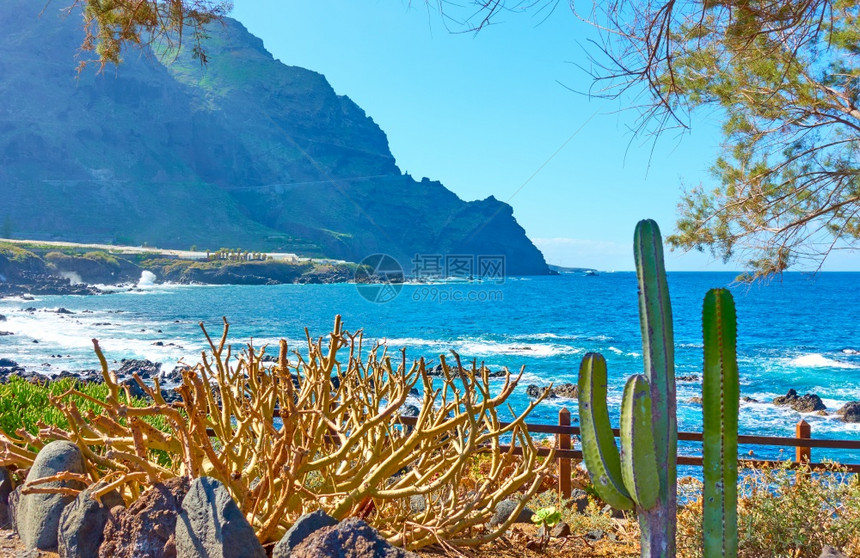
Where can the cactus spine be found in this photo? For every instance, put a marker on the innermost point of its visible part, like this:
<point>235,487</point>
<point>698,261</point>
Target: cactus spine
<point>720,397</point>
<point>649,432</point>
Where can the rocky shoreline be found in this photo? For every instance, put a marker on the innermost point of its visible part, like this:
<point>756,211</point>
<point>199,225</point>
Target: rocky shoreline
<point>39,272</point>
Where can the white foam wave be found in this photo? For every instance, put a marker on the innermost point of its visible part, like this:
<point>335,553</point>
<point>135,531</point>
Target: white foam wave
<point>147,279</point>
<point>480,347</point>
<point>817,360</point>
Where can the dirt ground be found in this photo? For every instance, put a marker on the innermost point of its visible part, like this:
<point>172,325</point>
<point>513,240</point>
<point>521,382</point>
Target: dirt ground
<point>513,546</point>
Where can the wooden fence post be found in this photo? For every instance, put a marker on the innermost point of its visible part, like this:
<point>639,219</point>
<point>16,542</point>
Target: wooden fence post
<point>802,431</point>
<point>563,443</point>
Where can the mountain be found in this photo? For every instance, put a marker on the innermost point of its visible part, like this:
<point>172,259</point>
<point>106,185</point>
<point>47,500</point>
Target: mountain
<point>244,152</point>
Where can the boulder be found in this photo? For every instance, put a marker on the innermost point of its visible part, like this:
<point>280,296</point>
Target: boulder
<point>83,522</point>
<point>504,510</point>
<point>37,516</point>
<point>6,487</point>
<point>211,525</point>
<point>687,378</point>
<point>144,368</point>
<point>14,503</point>
<point>301,529</point>
<point>352,538</point>
<point>850,412</point>
<point>7,363</point>
<point>147,528</point>
<point>806,403</point>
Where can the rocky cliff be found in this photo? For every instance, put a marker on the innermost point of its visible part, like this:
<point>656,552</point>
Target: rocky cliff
<point>245,152</point>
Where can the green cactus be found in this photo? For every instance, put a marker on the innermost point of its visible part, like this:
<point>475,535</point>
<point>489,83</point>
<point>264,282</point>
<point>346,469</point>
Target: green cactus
<point>720,401</point>
<point>646,471</point>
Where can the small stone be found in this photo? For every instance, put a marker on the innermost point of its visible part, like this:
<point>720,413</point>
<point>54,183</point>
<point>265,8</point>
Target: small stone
<point>211,524</point>
<point>505,509</point>
<point>578,500</point>
<point>830,552</point>
<point>301,529</point>
<point>561,530</point>
<point>595,534</point>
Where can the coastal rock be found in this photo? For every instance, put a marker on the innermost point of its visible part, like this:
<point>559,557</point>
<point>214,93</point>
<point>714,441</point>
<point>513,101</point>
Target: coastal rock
<point>37,516</point>
<point>747,399</point>
<point>2,318</point>
<point>352,538</point>
<point>301,529</point>
<point>437,371</point>
<point>505,509</point>
<point>687,378</point>
<point>83,522</point>
<point>212,525</point>
<point>850,412</point>
<point>806,403</point>
<point>568,390</point>
<point>6,488</point>
<point>695,400</point>
<point>7,363</point>
<point>144,368</point>
<point>147,529</point>
<point>535,391</point>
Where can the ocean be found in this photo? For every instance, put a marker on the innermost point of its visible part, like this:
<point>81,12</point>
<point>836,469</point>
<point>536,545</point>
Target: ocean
<point>798,332</point>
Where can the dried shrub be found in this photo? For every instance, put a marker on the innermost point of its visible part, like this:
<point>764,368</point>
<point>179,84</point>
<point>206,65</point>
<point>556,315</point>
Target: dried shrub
<point>317,432</point>
<point>784,513</point>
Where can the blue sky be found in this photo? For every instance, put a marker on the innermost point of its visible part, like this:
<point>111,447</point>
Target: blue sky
<point>493,113</point>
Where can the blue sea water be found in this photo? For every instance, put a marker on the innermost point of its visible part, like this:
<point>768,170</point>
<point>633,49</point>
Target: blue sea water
<point>799,332</point>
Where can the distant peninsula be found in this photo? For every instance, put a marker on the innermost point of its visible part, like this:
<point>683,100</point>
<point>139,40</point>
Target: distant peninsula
<point>32,268</point>
<point>246,151</point>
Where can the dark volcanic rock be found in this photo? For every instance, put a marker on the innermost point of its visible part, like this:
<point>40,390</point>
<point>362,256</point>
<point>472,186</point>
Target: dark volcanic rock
<point>83,521</point>
<point>38,515</point>
<point>145,369</point>
<point>807,403</point>
<point>7,363</point>
<point>352,538</point>
<point>211,525</point>
<point>147,529</point>
<point>504,511</point>
<point>6,488</point>
<point>850,412</point>
<point>569,391</point>
<point>304,526</point>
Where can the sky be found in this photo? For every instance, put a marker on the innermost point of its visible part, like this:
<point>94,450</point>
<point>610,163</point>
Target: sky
<point>504,112</point>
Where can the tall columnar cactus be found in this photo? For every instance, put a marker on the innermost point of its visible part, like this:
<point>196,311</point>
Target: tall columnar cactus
<point>720,400</point>
<point>644,475</point>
